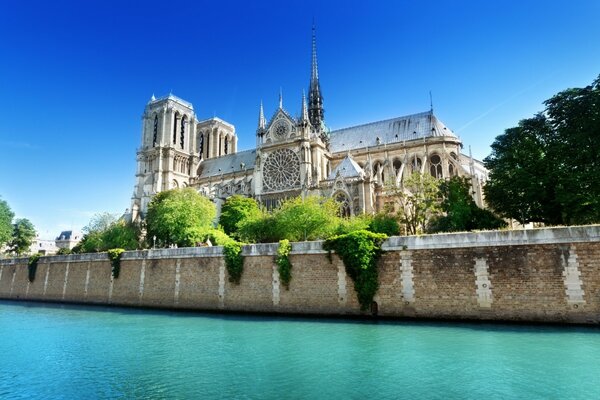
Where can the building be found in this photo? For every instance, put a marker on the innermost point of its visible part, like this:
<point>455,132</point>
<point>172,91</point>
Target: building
<point>68,239</point>
<point>293,156</point>
<point>45,247</point>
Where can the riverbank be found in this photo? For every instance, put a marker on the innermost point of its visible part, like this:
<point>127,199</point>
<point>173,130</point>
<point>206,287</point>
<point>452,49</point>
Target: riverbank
<point>540,275</point>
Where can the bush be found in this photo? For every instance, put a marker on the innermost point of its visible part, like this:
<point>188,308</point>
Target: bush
<point>32,266</point>
<point>261,228</point>
<point>360,251</point>
<point>236,209</point>
<point>114,255</point>
<point>360,222</point>
<point>234,261</point>
<point>311,218</point>
<point>284,265</point>
<point>64,251</point>
<point>384,223</point>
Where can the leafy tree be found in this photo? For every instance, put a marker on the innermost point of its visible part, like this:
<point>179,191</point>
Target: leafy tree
<point>23,235</point>
<point>179,216</point>
<point>362,222</point>
<point>260,228</point>
<point>6,227</point>
<point>384,222</point>
<point>105,232</point>
<point>306,219</point>
<point>416,201</point>
<point>235,209</point>
<point>461,213</point>
<point>545,168</point>
<point>575,118</point>
<point>522,179</point>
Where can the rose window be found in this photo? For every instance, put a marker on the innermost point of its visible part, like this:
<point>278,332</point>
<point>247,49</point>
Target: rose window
<point>282,170</point>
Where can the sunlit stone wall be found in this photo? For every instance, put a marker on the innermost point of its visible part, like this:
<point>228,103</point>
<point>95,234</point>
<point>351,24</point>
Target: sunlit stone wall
<point>550,275</point>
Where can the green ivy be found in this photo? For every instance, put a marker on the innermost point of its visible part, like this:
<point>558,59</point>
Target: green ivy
<point>284,265</point>
<point>114,255</point>
<point>234,261</point>
<point>32,266</point>
<point>360,250</point>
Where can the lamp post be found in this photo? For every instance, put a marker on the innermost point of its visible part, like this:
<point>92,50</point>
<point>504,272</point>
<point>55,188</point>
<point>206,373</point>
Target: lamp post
<point>154,239</point>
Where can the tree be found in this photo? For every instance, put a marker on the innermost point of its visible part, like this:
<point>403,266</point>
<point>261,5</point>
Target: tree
<point>6,227</point>
<point>416,201</point>
<point>179,216</point>
<point>522,177</point>
<point>260,228</point>
<point>311,218</point>
<point>384,223</point>
<point>23,235</point>
<point>461,213</point>
<point>545,168</point>
<point>235,209</point>
<point>105,232</point>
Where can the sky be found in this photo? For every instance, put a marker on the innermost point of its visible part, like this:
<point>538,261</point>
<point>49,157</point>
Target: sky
<point>75,77</point>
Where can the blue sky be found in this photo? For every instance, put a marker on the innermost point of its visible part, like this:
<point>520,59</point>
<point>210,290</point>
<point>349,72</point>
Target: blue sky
<point>75,77</point>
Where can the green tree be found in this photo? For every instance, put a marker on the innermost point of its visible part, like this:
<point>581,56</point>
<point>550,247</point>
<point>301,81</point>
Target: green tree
<point>105,232</point>
<point>522,180</point>
<point>179,216</point>
<point>384,222</point>
<point>23,235</point>
<point>461,213</point>
<point>416,202</point>
<point>311,218</point>
<point>235,209</point>
<point>6,227</point>
<point>260,228</point>
<point>575,118</point>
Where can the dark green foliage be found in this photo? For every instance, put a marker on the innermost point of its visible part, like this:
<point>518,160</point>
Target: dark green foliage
<point>360,222</point>
<point>64,251</point>
<point>384,223</point>
<point>179,216</point>
<point>6,227</point>
<point>217,237</point>
<point>360,251</point>
<point>235,209</point>
<point>460,211</point>
<point>259,229</point>
<point>114,255</point>
<point>284,265</point>
<point>32,266</point>
<point>23,235</point>
<point>234,261</point>
<point>105,232</point>
<point>544,170</point>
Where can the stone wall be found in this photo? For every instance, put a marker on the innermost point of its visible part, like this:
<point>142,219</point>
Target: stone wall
<point>548,275</point>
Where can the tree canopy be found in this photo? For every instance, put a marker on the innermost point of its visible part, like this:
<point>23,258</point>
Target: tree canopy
<point>543,170</point>
<point>105,232</point>
<point>6,227</point>
<point>180,217</point>
<point>23,235</point>
<point>236,209</point>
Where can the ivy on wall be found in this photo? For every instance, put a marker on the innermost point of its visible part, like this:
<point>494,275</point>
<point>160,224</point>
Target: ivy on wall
<point>359,250</point>
<point>114,255</point>
<point>32,266</point>
<point>234,261</point>
<point>284,265</point>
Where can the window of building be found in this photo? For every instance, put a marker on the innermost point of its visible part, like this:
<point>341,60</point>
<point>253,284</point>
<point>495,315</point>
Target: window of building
<point>182,131</point>
<point>155,131</point>
<point>435,166</point>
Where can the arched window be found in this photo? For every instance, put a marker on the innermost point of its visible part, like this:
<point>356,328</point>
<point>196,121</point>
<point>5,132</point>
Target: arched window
<point>155,131</point>
<point>207,144</point>
<point>226,144</point>
<point>416,164</point>
<point>378,171</point>
<point>201,144</point>
<point>451,164</point>
<point>435,166</point>
<point>175,119</point>
<point>397,165</point>
<point>182,131</point>
<point>344,202</point>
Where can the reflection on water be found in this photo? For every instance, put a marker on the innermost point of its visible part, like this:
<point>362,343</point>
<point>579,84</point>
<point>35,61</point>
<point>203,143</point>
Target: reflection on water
<point>51,351</point>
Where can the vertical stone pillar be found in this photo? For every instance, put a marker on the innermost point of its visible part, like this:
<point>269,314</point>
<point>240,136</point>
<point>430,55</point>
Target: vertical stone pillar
<point>222,285</point>
<point>482,281</point>
<point>142,279</point>
<point>572,279</point>
<point>342,291</point>
<point>406,277</point>
<point>177,281</point>
<point>276,286</point>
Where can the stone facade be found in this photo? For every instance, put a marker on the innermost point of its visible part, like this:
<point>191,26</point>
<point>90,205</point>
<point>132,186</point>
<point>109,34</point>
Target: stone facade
<point>293,156</point>
<point>546,275</point>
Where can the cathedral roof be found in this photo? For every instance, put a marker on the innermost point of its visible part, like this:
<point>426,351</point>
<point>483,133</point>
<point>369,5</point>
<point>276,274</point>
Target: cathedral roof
<point>348,168</point>
<point>410,127</point>
<point>172,97</point>
<point>237,162</point>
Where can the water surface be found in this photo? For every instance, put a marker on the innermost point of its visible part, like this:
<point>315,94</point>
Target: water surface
<point>71,352</point>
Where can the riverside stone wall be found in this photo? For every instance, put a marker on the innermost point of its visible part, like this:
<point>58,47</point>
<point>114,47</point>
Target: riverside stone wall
<point>548,275</point>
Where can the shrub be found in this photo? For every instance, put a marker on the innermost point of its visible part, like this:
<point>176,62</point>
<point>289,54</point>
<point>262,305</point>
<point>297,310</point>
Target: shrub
<point>32,266</point>
<point>284,265</point>
<point>360,251</point>
<point>384,223</point>
<point>236,209</point>
<point>114,255</point>
<point>234,261</point>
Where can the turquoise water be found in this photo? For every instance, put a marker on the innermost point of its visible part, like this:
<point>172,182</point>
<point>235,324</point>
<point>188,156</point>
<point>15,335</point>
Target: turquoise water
<point>70,352</point>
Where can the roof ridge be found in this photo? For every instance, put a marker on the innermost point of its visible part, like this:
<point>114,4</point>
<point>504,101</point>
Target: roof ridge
<point>385,120</point>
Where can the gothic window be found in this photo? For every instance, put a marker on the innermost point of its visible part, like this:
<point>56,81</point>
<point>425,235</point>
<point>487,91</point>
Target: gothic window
<point>435,166</point>
<point>175,119</point>
<point>397,165</point>
<point>182,131</point>
<point>451,164</point>
<point>282,170</point>
<point>378,171</point>
<point>155,131</point>
<point>344,202</point>
<point>207,144</point>
<point>201,144</point>
<point>416,164</point>
<point>226,145</point>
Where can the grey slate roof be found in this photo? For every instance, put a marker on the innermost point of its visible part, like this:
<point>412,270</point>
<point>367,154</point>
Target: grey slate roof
<point>410,127</point>
<point>348,168</point>
<point>227,164</point>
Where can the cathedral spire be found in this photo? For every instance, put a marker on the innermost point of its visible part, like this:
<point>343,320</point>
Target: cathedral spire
<point>262,122</point>
<point>315,99</point>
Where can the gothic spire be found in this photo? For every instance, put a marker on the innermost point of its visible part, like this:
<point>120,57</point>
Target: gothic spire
<point>304,108</point>
<point>262,122</point>
<point>315,99</point>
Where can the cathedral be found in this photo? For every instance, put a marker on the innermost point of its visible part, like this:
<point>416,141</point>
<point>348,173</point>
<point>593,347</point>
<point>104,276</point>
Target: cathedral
<point>293,156</point>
